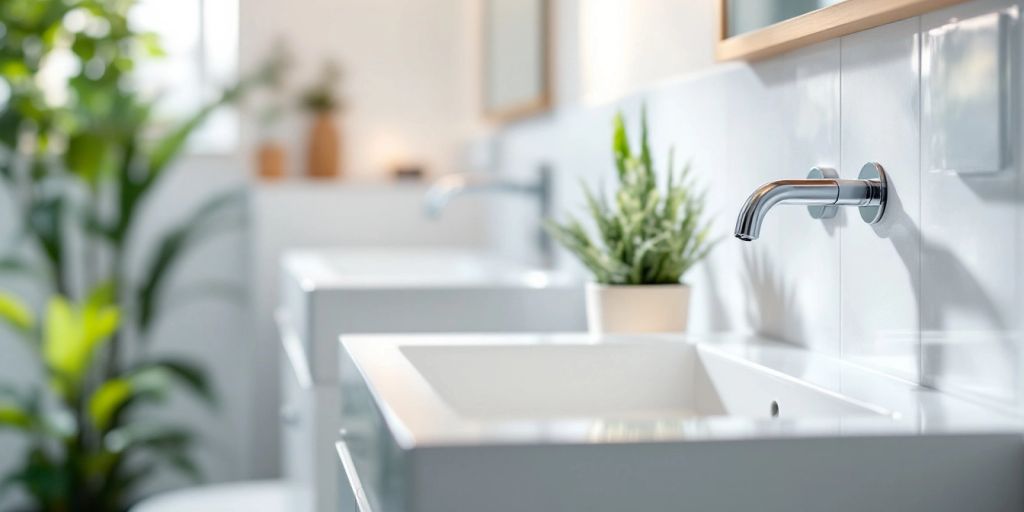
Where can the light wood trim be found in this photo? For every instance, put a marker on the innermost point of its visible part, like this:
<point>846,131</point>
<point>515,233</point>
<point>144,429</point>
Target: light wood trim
<point>830,22</point>
<point>541,103</point>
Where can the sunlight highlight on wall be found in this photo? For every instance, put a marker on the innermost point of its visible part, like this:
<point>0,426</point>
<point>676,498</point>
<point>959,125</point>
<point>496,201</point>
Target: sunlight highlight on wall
<point>627,45</point>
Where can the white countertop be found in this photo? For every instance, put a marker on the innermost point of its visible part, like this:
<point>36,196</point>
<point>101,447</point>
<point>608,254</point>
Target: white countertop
<point>418,417</point>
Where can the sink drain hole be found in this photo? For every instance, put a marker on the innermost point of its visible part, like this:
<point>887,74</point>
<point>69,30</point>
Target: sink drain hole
<point>775,409</point>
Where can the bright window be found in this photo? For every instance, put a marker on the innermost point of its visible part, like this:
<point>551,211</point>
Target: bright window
<point>200,38</point>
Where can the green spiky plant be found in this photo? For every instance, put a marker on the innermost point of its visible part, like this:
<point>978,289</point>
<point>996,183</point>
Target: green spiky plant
<point>79,174</point>
<point>646,236</point>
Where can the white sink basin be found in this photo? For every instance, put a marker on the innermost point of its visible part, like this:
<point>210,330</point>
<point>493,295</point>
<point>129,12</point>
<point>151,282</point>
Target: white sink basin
<point>416,290</point>
<point>566,423</point>
<point>626,381</point>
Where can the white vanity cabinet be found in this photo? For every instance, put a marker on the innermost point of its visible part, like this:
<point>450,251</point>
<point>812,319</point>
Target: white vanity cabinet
<point>309,426</point>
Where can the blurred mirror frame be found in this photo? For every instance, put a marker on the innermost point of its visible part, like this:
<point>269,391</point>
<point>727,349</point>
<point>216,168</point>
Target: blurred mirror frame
<point>516,45</point>
<point>835,19</point>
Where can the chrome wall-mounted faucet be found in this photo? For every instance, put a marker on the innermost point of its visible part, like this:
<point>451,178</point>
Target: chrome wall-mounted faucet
<point>449,186</point>
<point>822,192</point>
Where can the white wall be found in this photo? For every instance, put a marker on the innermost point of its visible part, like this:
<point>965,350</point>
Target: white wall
<point>410,75</point>
<point>933,293</point>
<point>626,45</point>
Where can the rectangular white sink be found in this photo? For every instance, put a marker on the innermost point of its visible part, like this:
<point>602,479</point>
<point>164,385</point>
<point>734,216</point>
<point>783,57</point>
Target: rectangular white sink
<point>628,381</point>
<point>327,292</point>
<point>565,423</point>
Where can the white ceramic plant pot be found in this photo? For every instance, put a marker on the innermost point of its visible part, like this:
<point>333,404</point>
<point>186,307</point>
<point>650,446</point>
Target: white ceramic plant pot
<point>616,309</point>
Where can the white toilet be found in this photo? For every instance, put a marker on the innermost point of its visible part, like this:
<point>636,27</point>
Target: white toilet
<point>253,496</point>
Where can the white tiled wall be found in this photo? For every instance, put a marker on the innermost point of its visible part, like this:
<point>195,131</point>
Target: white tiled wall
<point>934,291</point>
<point>972,254</point>
<point>880,263</point>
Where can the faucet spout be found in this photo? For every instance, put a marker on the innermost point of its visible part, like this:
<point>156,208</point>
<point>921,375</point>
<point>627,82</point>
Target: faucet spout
<point>448,187</point>
<point>443,190</point>
<point>756,207</point>
<point>821,192</point>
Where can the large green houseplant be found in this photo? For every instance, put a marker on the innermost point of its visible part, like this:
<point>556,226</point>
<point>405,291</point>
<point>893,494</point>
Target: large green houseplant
<point>79,171</point>
<point>646,240</point>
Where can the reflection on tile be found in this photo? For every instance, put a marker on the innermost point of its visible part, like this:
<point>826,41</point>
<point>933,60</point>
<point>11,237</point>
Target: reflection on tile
<point>970,309</point>
<point>964,93</point>
<point>881,262</point>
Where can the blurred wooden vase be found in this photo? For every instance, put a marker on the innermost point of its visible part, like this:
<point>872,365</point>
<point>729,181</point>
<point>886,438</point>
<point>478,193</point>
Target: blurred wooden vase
<point>270,161</point>
<point>324,147</point>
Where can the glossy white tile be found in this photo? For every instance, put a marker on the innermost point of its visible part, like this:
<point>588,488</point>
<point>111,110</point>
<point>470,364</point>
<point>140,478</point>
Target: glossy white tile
<point>881,262</point>
<point>971,200</point>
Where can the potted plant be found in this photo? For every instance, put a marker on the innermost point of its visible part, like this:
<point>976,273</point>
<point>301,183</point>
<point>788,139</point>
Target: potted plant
<point>321,100</point>
<point>78,175</point>
<point>271,154</point>
<point>646,241</point>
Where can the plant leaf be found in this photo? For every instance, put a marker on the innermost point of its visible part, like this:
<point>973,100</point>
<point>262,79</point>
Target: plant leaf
<point>87,155</point>
<point>173,244</point>
<point>62,342</point>
<point>16,314</point>
<point>43,478</point>
<point>107,400</point>
<point>646,235</point>
<point>73,333</point>
<point>167,444</point>
<point>191,375</point>
<point>12,415</point>
<point>44,221</point>
<point>620,145</point>
<point>140,435</point>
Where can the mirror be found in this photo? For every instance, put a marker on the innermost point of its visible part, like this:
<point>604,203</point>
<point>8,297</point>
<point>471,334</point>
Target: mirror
<point>747,16</point>
<point>516,39</point>
<point>752,29</point>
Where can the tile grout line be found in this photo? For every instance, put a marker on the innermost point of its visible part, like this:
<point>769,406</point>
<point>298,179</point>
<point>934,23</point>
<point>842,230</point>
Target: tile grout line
<point>919,292</point>
<point>839,232</point>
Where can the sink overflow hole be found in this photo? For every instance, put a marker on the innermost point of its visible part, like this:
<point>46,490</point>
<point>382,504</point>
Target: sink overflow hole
<point>775,409</point>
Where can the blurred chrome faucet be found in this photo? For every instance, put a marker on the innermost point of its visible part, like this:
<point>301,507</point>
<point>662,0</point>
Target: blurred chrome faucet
<point>822,192</point>
<point>449,186</point>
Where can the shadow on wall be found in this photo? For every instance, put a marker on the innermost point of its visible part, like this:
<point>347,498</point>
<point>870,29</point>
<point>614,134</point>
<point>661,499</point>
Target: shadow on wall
<point>770,306</point>
<point>960,292</point>
<point>718,317</point>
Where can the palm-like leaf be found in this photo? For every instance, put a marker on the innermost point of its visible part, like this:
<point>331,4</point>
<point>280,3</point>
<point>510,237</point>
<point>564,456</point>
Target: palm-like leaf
<point>72,335</point>
<point>188,374</point>
<point>16,314</point>
<point>145,383</point>
<point>15,411</point>
<point>173,244</point>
